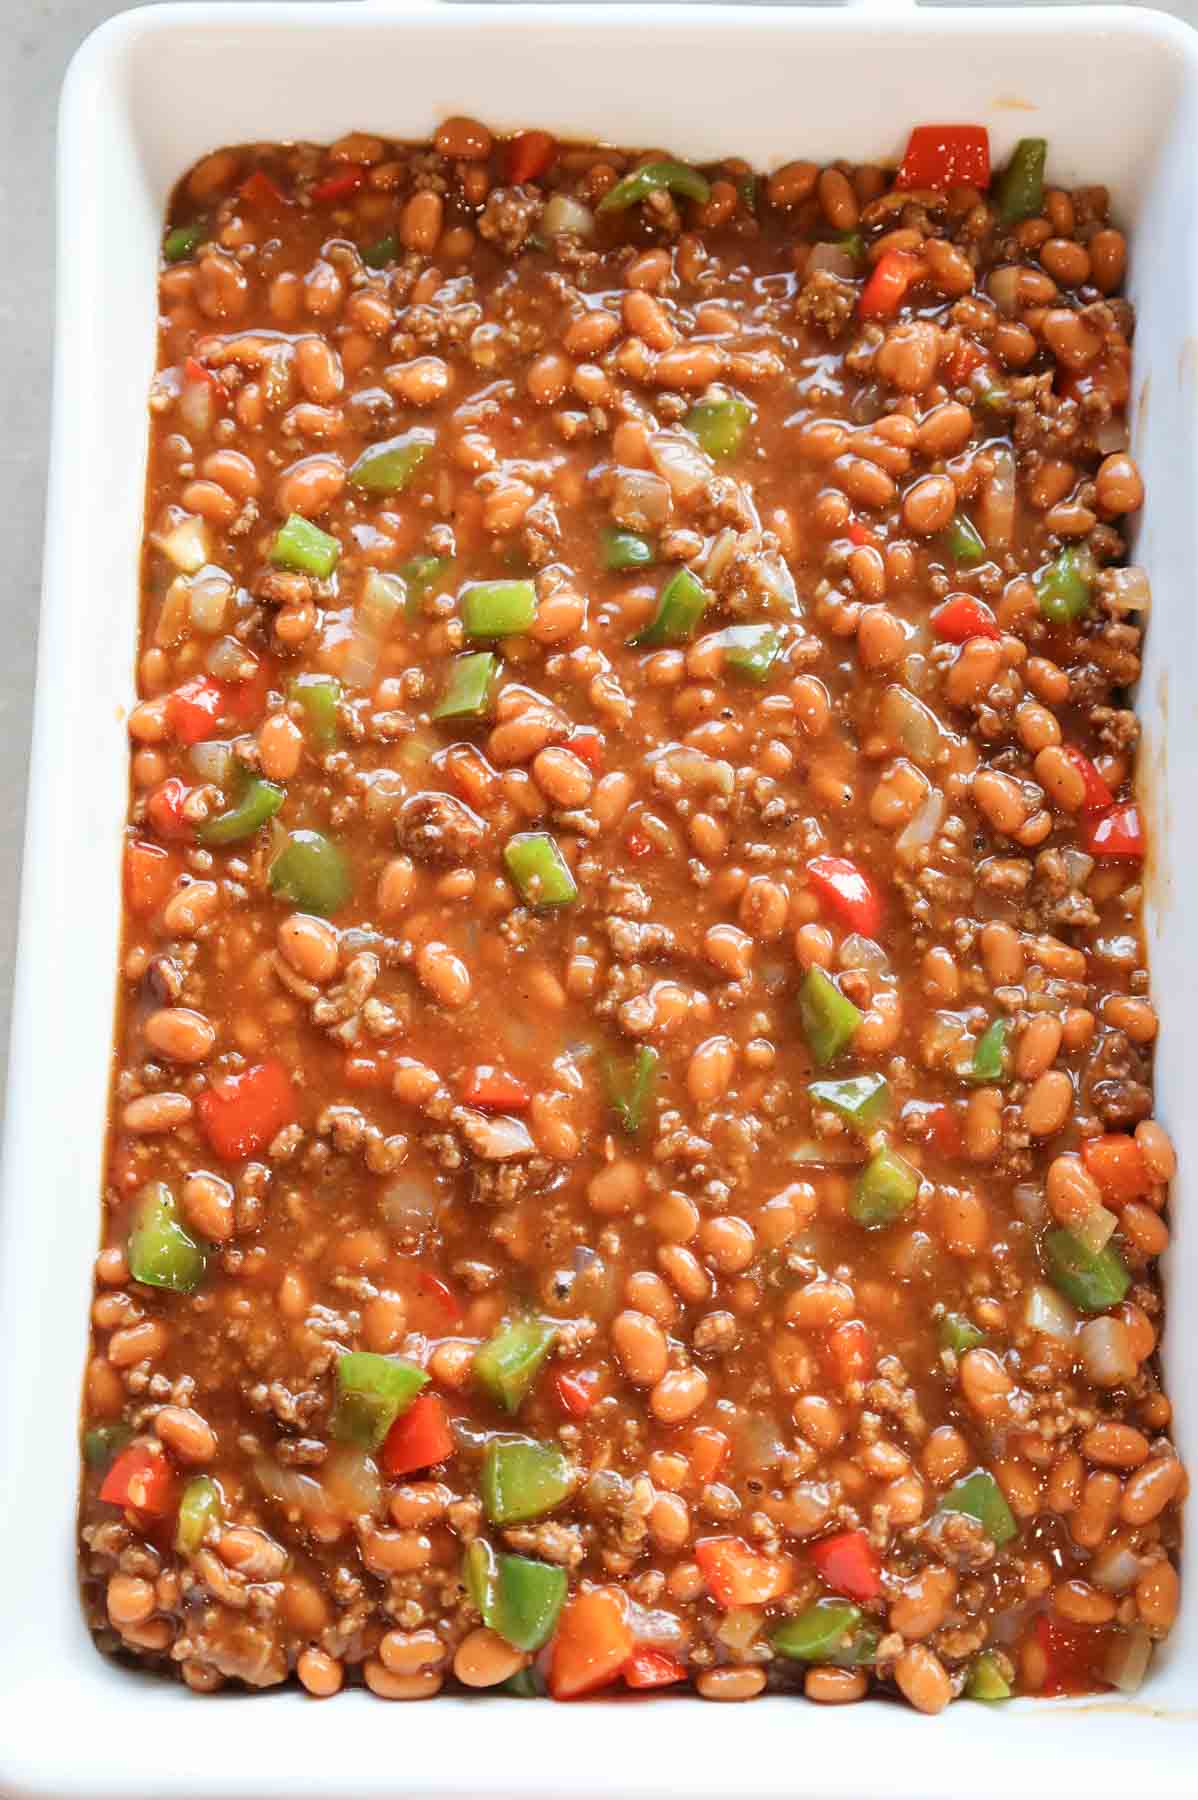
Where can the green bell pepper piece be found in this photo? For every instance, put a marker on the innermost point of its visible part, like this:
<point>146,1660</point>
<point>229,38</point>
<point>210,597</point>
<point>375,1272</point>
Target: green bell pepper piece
<point>964,542</point>
<point>161,1253</point>
<point>675,177</point>
<point>853,243</point>
<point>510,1361</point>
<point>525,1684</point>
<point>829,1631</point>
<point>301,545</point>
<point>750,651</point>
<point>720,422</point>
<point>829,1021</point>
<point>202,1505</point>
<point>180,242</point>
<point>529,1596</point>
<point>680,605</point>
<point>259,802</point>
<point>387,468</point>
<point>624,549</point>
<point>746,188</point>
<point>479,1575</point>
<point>980,1496</point>
<point>420,576</point>
<point>861,1099</point>
<point>886,1188</point>
<point>318,697</point>
<point>103,1443</point>
<point>539,870</point>
<point>990,1054</point>
<point>522,1479</point>
<point>985,1680</point>
<point>630,1087</point>
<point>383,251</point>
<point>1063,588</point>
<point>957,1333</point>
<point>1019,190</point>
<point>372,1391</point>
<point>1093,1280</point>
<point>468,691</point>
<point>498,609</point>
<point>311,872</point>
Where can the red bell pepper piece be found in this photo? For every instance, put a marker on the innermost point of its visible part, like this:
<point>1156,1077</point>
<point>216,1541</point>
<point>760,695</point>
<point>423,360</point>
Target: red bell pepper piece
<point>494,1090</point>
<point>440,1291</point>
<point>945,1124</point>
<point>1070,1655</point>
<point>577,1391</point>
<point>847,893</point>
<point>259,190</point>
<point>241,1113</point>
<point>592,1644</point>
<point>339,185</point>
<point>861,535</point>
<point>963,359</point>
<point>529,155</point>
<point>962,617</point>
<point>849,1564</point>
<point>150,873</point>
<point>852,1351</point>
<point>197,373</point>
<point>653,1669</point>
<point>587,744</point>
<point>141,1479</point>
<point>419,1438</point>
<point>1117,1164</point>
<point>245,701</point>
<point>1116,833</point>
<point>638,845</point>
<point>370,1071</point>
<point>193,710</point>
<point>737,1575</point>
<point>883,294</point>
<point>946,156</point>
<point>1098,794</point>
<point>164,809</point>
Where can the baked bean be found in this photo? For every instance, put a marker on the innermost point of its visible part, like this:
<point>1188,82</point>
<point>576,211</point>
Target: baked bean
<point>837,199</point>
<point>1048,1103</point>
<point>483,1659</point>
<point>1038,1046</point>
<point>731,1682</point>
<point>923,1679</point>
<point>154,1113</point>
<point>1157,1595</point>
<point>186,1434</point>
<point>834,1687</point>
<point>641,1348</point>
<point>677,1395</point>
<point>1108,260</point>
<point>180,1034</point>
<point>906,359</point>
<point>320,1673</point>
<point>921,1605</point>
<point>929,504</point>
<point>1119,486</point>
<point>444,975</point>
<point>1147,1492</point>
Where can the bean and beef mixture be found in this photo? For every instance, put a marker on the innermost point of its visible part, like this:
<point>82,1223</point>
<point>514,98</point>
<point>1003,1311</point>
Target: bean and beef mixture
<point>632,1158</point>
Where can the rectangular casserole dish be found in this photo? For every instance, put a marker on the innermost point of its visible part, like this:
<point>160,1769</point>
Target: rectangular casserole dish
<point>1116,92</point>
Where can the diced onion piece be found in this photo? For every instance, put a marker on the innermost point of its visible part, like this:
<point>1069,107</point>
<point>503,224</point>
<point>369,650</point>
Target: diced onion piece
<point>831,1152</point>
<point>1029,1203</point>
<point>176,609</point>
<point>911,725</point>
<point>655,1626</point>
<point>640,500</point>
<point>1078,866</point>
<point>858,952</point>
<point>208,600</point>
<point>739,1626</point>
<point>996,514</point>
<point>409,1204</point>
<point>772,576</point>
<point>291,1489</point>
<point>706,774</point>
<point>1127,1660</point>
<point>1003,284</point>
<point>197,407</point>
<point>832,259</point>
<point>563,213</point>
<point>919,831</point>
<point>186,544</point>
<point>1111,436</point>
<point>1128,589</point>
<point>1116,1569</point>
<point>1096,1229</point>
<point>379,605</point>
<point>351,1480</point>
<point>212,761</point>
<point>228,660</point>
<point>1106,1353</point>
<point>1048,1312</point>
<point>385,791</point>
<point>678,460</point>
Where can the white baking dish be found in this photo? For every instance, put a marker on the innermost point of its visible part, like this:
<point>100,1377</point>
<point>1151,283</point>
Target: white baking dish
<point>1116,92</point>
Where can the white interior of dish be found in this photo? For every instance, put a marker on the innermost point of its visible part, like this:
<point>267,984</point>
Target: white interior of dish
<point>1114,91</point>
